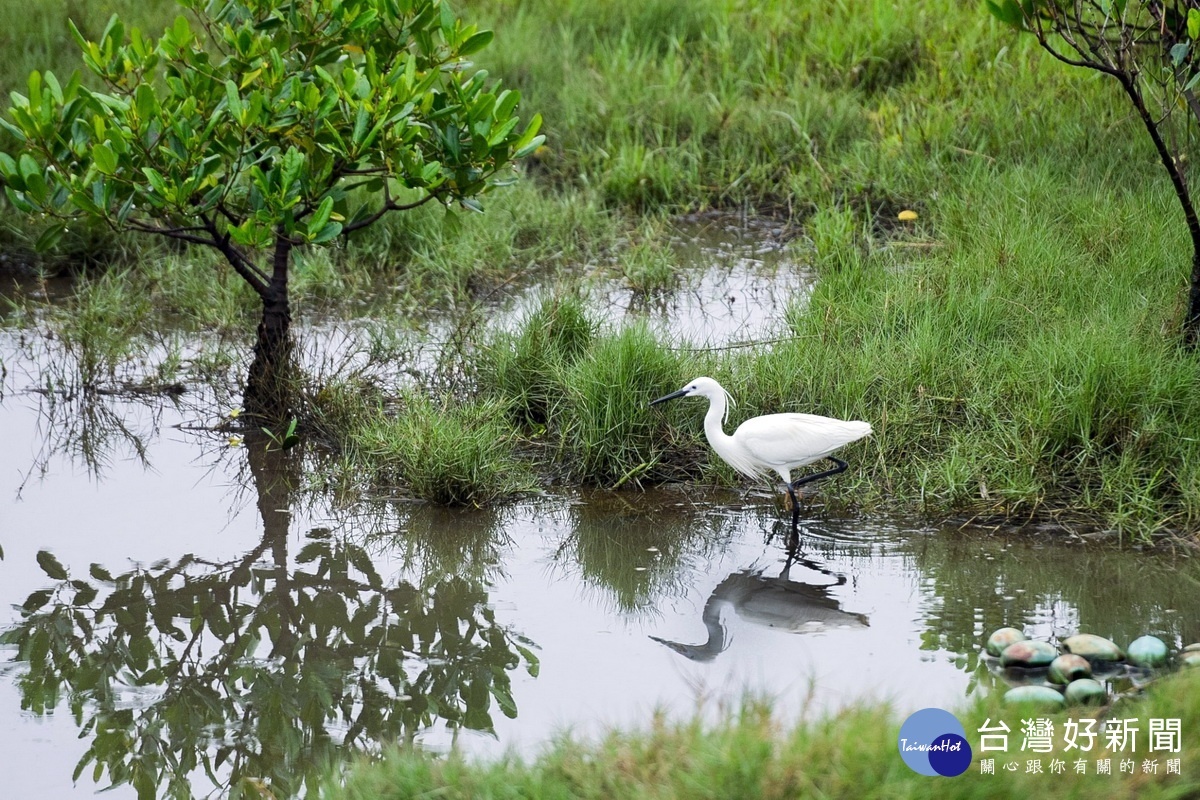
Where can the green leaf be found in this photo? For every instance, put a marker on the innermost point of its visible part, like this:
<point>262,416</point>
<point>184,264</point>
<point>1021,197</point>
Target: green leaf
<point>1179,52</point>
<point>146,103</point>
<point>328,233</point>
<point>529,140</point>
<point>504,699</point>
<point>80,39</point>
<point>35,89</point>
<point>533,665</point>
<point>534,144</point>
<point>50,238</point>
<point>506,104</point>
<point>16,132</point>
<point>114,30</point>
<point>36,188</point>
<point>28,166</point>
<point>502,132</point>
<point>1008,12</point>
<point>476,43</point>
<point>321,215</point>
<point>181,31</point>
<point>291,165</point>
<point>361,121</point>
<point>1193,23</point>
<point>156,181</point>
<point>105,158</point>
<point>55,89</point>
<point>18,200</point>
<point>234,100</point>
<point>51,566</point>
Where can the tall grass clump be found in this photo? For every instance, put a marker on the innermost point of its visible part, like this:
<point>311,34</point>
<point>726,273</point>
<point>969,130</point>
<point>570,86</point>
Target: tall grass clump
<point>446,452</point>
<point>606,431</point>
<point>523,369</point>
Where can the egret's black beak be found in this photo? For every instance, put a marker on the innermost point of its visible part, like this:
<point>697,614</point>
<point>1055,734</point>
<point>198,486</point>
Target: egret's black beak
<point>670,396</point>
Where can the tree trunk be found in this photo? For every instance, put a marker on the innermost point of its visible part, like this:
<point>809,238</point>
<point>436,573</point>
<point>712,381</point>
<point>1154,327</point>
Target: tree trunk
<point>270,383</point>
<point>1191,322</point>
<point>1191,326</point>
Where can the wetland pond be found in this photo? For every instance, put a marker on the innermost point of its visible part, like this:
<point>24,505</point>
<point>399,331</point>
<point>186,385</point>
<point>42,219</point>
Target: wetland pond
<point>197,613</point>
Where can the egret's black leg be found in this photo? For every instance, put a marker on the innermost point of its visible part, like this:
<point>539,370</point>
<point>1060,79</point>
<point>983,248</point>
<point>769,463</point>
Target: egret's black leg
<point>816,476</point>
<point>841,466</point>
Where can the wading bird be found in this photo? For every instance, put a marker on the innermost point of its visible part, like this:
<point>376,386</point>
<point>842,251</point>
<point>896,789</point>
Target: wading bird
<point>773,442</point>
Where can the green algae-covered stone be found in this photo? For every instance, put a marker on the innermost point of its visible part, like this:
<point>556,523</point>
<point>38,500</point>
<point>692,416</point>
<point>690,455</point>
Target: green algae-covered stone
<point>1148,651</point>
<point>1069,667</point>
<point>1002,638</point>
<point>1042,696</point>
<point>1092,647</point>
<point>1028,653</point>
<point>1086,692</point>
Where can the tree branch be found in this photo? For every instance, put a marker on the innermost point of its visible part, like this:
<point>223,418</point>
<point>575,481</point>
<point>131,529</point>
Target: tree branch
<point>179,234</point>
<point>387,207</point>
<point>241,265</point>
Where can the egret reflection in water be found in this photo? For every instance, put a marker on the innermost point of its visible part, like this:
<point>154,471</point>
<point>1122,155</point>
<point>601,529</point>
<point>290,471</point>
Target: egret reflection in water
<point>779,602</point>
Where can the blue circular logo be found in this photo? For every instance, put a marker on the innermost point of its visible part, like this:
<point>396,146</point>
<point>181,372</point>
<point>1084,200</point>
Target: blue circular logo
<point>933,742</point>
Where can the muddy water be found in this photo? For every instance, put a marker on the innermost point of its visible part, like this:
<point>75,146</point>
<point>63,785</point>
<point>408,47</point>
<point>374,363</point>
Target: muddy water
<point>192,613</point>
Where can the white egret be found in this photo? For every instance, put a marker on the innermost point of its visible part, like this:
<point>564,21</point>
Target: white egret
<point>774,442</point>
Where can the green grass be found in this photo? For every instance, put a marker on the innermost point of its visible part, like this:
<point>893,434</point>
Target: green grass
<point>522,368</point>
<point>451,454</point>
<point>748,753</point>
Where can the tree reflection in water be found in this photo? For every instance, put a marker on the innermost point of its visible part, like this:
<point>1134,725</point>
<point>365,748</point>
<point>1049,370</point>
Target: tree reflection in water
<point>262,671</point>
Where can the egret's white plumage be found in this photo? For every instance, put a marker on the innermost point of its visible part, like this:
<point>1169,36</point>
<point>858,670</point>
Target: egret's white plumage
<point>771,443</point>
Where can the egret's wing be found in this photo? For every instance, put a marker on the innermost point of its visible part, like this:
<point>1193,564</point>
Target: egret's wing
<point>792,440</point>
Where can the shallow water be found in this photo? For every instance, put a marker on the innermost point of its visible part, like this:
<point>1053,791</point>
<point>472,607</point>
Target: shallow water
<point>748,281</point>
<point>219,608</point>
<point>577,612</point>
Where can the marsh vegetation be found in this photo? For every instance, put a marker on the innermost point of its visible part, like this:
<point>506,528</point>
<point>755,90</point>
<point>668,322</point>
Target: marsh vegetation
<point>1011,344</point>
<point>934,226</point>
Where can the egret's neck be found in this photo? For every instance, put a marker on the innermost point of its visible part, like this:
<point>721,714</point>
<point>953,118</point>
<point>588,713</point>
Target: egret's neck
<point>713,421</point>
<point>718,636</point>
